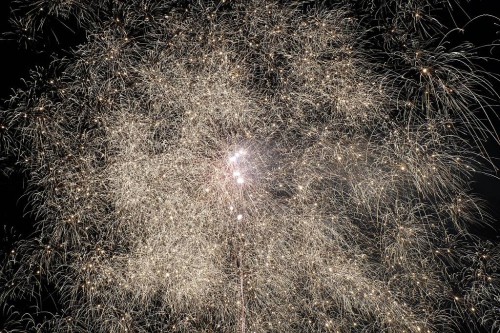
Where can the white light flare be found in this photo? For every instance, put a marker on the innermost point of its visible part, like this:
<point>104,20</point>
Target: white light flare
<point>234,160</point>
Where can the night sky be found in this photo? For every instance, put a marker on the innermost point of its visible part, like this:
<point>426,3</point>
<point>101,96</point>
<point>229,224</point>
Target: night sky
<point>15,220</point>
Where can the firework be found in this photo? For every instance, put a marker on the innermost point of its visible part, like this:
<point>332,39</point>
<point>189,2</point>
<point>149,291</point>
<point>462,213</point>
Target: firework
<point>250,166</point>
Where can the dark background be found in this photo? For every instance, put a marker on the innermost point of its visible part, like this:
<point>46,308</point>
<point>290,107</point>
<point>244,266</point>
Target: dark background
<point>16,61</point>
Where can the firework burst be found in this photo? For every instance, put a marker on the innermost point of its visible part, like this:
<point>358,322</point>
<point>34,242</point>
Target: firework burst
<point>251,166</point>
